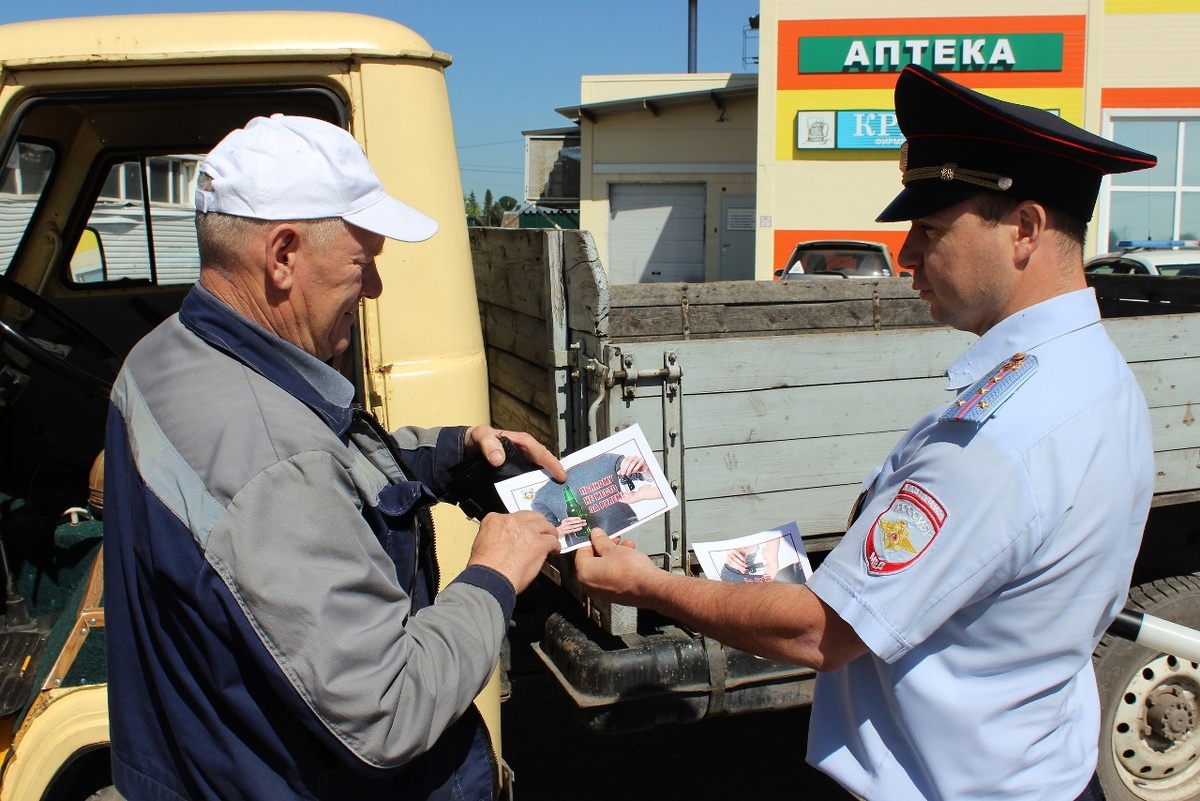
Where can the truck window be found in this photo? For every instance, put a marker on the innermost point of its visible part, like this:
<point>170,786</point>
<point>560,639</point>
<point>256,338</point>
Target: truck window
<point>22,181</point>
<point>128,225</point>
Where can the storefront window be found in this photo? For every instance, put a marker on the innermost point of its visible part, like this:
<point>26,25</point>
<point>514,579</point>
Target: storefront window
<point>1163,202</point>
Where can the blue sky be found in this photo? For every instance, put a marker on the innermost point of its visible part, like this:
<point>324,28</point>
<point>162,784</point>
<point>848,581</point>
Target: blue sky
<point>514,63</point>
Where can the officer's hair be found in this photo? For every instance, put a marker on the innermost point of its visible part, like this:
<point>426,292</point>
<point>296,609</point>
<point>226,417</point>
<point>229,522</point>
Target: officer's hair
<point>992,207</point>
<point>223,239</point>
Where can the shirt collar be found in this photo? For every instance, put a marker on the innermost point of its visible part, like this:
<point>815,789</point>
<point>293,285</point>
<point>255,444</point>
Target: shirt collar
<point>1022,332</point>
<point>297,372</point>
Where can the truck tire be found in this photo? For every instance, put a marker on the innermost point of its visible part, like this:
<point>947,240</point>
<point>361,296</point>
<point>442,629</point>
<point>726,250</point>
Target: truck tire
<point>1150,704</point>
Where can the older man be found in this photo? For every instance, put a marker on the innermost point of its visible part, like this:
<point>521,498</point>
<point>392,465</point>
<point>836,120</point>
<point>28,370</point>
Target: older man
<point>273,630</point>
<point>954,623</point>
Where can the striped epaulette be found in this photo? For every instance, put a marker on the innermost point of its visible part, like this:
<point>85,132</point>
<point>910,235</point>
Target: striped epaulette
<point>980,400</point>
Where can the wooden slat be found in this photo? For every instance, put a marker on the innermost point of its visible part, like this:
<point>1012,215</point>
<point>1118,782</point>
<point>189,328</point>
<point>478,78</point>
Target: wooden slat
<point>509,413</point>
<point>510,274</point>
<point>585,284</point>
<point>821,510</point>
<point>774,466</point>
<point>1175,336</point>
<point>1177,470</point>
<point>524,381</point>
<point>807,360</point>
<point>813,411</point>
<point>1168,383</point>
<point>516,333</point>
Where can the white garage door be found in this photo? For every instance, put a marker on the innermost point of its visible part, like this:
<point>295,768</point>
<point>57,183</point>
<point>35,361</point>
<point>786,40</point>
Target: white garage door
<point>655,233</point>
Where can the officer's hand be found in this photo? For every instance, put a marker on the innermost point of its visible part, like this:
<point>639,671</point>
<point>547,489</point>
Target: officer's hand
<point>613,570</point>
<point>514,545</point>
<point>486,440</point>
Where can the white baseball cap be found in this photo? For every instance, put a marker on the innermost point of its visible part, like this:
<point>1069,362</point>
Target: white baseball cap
<point>301,168</point>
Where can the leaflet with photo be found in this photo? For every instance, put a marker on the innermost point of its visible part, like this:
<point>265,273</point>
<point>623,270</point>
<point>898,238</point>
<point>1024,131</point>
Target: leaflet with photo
<point>613,485</point>
<point>776,555</point>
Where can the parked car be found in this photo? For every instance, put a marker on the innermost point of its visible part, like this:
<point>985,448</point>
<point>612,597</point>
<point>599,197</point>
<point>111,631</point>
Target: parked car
<point>834,258</point>
<point>1154,257</point>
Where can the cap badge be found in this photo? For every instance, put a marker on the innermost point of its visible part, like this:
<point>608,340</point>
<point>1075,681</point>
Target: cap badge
<point>952,172</point>
<point>904,155</point>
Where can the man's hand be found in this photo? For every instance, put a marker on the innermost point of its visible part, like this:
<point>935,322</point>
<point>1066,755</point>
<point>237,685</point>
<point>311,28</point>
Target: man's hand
<point>631,464</point>
<point>486,440</point>
<point>515,545</point>
<point>612,570</point>
<point>570,525</point>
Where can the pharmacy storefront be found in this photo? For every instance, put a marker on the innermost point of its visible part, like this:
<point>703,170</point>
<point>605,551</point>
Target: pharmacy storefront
<point>829,143</point>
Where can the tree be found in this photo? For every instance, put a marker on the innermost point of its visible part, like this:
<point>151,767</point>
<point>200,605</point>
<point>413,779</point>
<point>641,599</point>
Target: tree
<point>492,211</point>
<point>489,209</point>
<point>471,206</point>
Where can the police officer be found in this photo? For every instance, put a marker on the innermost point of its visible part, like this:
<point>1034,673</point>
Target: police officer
<point>953,625</point>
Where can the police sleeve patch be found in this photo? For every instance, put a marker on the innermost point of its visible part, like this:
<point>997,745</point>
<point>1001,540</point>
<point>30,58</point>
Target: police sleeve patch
<point>904,531</point>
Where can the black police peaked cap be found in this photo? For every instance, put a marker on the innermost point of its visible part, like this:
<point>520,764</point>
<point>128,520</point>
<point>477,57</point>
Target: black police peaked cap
<point>960,143</point>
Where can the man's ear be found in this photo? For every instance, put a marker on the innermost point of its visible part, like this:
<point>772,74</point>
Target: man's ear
<point>1029,218</point>
<point>282,245</point>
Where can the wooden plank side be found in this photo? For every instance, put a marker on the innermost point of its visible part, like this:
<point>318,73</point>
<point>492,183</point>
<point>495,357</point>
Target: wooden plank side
<point>820,510</point>
<point>527,382</point>
<point>1173,336</point>
<point>752,292</point>
<point>511,414</point>
<point>516,333</point>
<point>586,284</point>
<point>800,412</point>
<point>510,269</point>
<point>766,467</point>
<point>1176,428</point>
<point>748,364</point>
<point>824,510</point>
<point>1168,383</point>
<point>1177,470</point>
<point>691,321</point>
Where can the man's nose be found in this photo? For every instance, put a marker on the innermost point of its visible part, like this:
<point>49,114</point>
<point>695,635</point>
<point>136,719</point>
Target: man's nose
<point>372,285</point>
<point>909,257</point>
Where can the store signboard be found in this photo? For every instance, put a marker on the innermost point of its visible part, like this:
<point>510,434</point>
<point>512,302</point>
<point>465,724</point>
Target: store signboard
<point>868,130</point>
<point>848,130</point>
<point>990,52</point>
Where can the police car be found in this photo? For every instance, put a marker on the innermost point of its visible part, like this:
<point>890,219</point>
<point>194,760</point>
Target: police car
<point>1149,257</point>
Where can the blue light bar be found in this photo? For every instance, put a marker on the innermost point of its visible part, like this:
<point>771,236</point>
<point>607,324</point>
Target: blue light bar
<point>1157,243</point>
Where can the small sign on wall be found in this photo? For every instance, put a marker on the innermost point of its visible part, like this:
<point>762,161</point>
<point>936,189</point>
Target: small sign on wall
<point>739,219</point>
<point>815,129</point>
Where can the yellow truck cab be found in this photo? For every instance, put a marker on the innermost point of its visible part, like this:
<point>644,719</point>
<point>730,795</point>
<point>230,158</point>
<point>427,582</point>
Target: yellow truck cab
<point>103,122</point>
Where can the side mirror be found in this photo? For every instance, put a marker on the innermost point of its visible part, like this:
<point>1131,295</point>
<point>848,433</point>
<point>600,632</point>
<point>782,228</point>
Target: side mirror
<point>87,262</point>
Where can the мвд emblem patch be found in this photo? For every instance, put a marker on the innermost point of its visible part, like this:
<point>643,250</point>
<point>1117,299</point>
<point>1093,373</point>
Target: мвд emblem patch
<point>904,531</point>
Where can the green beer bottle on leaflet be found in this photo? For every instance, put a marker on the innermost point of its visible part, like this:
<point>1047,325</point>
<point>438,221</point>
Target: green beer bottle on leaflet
<point>576,509</point>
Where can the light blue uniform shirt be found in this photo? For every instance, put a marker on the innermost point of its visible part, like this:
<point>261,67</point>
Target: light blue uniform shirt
<point>987,561</point>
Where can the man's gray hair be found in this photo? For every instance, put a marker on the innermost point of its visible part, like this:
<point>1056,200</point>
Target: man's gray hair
<point>223,239</point>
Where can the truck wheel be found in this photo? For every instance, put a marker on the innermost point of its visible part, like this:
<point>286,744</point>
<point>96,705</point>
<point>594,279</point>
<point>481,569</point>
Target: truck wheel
<point>1150,704</point>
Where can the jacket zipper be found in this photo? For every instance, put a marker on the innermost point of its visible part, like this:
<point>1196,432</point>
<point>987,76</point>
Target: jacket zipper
<point>424,514</point>
<point>426,517</point>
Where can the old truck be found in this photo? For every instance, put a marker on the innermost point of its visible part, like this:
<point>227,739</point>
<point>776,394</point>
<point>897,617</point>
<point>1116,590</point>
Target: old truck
<point>103,122</point>
<point>765,402</point>
<point>769,402</point>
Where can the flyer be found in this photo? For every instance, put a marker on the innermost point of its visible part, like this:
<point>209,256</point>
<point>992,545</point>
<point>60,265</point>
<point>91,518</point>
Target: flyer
<point>614,485</point>
<point>776,555</point>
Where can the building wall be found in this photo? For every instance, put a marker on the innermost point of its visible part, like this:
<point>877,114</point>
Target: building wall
<point>1116,62</point>
<point>698,142</point>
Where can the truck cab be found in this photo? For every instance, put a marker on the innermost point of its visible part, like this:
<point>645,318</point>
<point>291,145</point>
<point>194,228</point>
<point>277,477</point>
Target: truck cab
<point>103,123</point>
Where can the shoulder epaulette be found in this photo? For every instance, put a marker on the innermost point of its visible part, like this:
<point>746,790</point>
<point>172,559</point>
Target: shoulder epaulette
<point>980,400</point>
